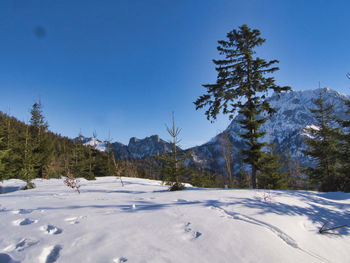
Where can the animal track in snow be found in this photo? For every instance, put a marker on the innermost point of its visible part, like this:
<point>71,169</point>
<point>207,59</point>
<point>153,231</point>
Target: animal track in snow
<point>24,222</point>
<point>25,243</point>
<point>22,245</point>
<point>5,258</point>
<point>282,235</point>
<point>50,254</point>
<point>51,229</point>
<point>22,211</point>
<point>2,209</point>
<point>194,234</point>
<point>120,260</point>
<point>74,220</point>
<point>181,200</point>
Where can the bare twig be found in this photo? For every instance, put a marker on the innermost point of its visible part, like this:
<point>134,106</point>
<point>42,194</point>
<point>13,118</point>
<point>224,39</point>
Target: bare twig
<point>117,170</point>
<point>324,230</point>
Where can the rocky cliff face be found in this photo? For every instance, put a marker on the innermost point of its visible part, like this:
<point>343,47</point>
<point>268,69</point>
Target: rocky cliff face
<point>136,149</point>
<point>285,128</point>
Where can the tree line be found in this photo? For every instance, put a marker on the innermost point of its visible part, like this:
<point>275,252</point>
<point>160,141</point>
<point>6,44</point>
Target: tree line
<point>244,81</point>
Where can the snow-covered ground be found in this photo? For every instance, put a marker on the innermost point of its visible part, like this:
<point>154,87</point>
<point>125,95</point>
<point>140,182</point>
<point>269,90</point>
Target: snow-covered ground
<point>142,222</point>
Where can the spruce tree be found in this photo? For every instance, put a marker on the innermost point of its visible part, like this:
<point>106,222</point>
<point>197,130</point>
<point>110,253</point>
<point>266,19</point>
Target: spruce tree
<point>3,154</point>
<point>344,154</point>
<point>322,145</point>
<point>271,175</point>
<point>172,167</point>
<point>41,146</point>
<point>241,85</point>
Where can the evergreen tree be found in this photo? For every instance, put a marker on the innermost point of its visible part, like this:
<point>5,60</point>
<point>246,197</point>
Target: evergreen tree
<point>79,164</point>
<point>270,175</point>
<point>41,146</point>
<point>322,145</point>
<point>241,84</point>
<point>344,155</point>
<point>3,154</point>
<point>173,169</point>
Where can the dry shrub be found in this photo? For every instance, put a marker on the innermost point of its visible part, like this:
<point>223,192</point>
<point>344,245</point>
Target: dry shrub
<point>72,182</point>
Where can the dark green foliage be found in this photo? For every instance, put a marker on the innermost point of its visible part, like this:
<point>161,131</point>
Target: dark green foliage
<point>204,178</point>
<point>344,153</point>
<point>28,172</point>
<point>270,175</point>
<point>241,85</point>
<point>3,155</point>
<point>244,177</point>
<point>323,148</point>
<point>40,145</point>
<point>49,155</point>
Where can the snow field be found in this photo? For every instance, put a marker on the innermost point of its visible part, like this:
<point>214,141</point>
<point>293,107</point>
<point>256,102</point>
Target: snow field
<point>143,222</point>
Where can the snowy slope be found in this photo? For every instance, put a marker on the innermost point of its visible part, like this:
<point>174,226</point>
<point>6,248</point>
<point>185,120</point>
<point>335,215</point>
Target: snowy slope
<point>142,222</point>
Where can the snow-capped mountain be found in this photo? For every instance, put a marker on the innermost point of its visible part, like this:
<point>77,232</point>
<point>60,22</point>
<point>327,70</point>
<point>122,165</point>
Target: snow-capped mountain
<point>94,142</point>
<point>149,146</point>
<point>136,149</point>
<point>285,128</point>
<point>141,148</point>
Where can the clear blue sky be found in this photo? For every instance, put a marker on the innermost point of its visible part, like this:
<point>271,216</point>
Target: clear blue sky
<point>123,66</point>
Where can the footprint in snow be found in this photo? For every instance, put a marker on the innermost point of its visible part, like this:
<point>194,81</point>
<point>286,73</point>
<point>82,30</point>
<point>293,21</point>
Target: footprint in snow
<point>74,220</point>
<point>21,245</point>
<point>51,229</point>
<point>194,234</point>
<point>5,258</point>
<point>24,222</point>
<point>120,260</point>
<point>25,243</point>
<point>22,211</point>
<point>50,254</point>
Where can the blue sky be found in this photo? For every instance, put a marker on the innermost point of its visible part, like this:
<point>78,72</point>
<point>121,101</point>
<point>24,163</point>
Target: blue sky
<point>122,67</point>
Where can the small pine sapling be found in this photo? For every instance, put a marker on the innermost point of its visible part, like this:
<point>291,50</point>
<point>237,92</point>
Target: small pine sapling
<point>173,168</point>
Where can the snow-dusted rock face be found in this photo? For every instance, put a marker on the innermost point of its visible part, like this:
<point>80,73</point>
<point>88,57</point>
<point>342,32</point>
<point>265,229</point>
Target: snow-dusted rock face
<point>285,128</point>
<point>149,146</point>
<point>94,142</point>
<point>136,149</point>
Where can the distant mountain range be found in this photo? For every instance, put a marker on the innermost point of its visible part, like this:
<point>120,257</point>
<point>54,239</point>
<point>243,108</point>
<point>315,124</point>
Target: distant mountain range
<point>285,129</point>
<point>136,149</point>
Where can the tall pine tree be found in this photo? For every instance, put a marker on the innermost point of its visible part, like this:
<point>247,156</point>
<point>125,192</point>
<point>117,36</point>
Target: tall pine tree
<point>3,154</point>
<point>241,84</point>
<point>344,170</point>
<point>322,145</point>
<point>41,146</point>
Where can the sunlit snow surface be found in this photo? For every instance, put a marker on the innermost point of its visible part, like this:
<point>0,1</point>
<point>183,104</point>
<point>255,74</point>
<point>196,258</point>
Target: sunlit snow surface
<point>142,222</point>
